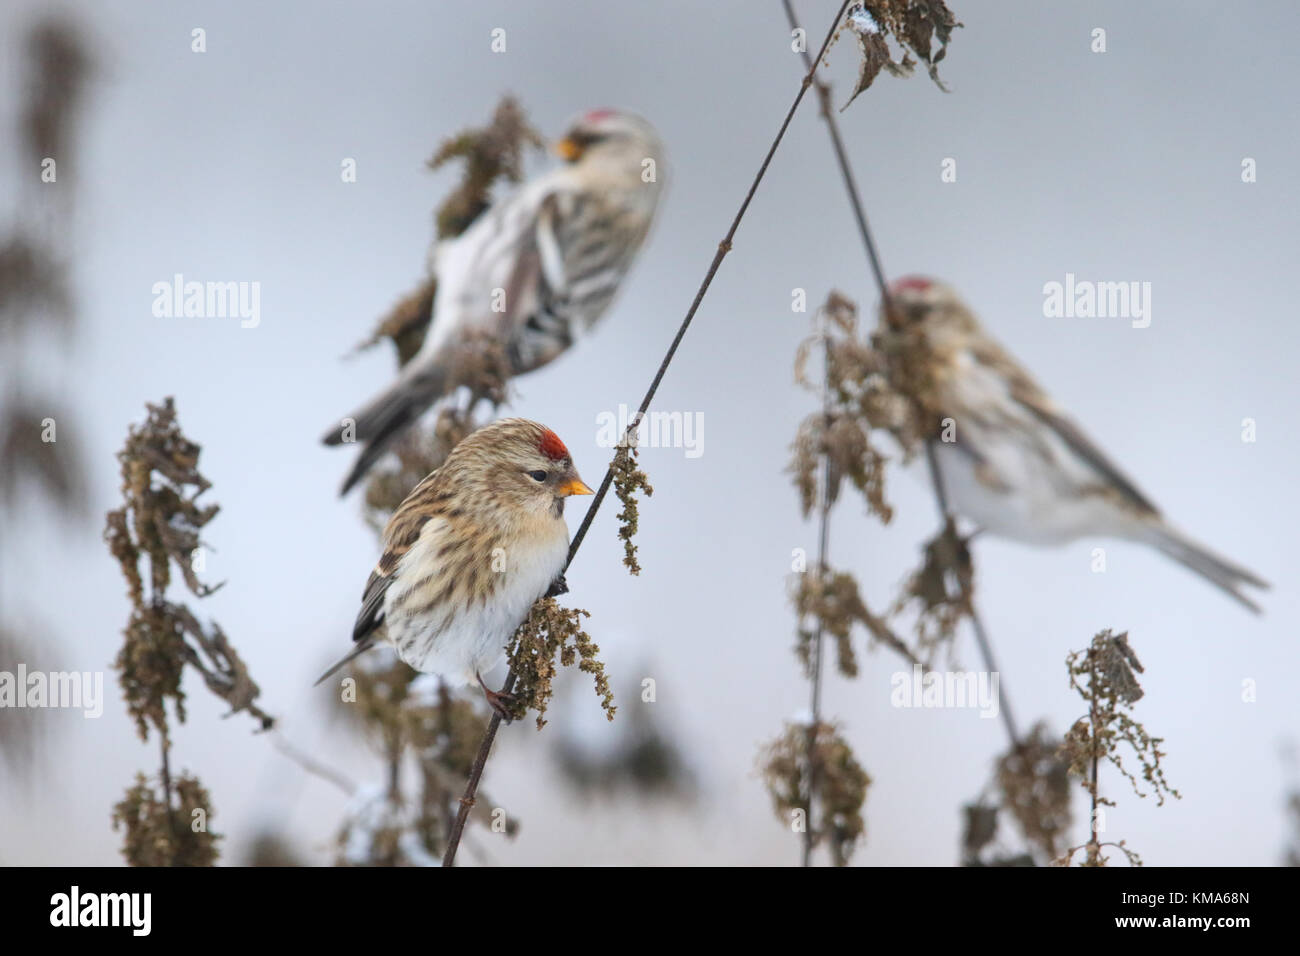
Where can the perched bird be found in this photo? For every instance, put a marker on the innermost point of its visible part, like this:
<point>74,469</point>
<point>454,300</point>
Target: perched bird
<point>531,273</point>
<point>469,551</point>
<point>1019,466</point>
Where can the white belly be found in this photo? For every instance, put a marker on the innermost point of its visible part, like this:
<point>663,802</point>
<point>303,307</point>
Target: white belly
<point>1043,504</point>
<point>462,644</point>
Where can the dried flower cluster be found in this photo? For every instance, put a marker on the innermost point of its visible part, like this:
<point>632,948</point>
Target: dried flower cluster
<point>160,520</point>
<point>1105,676</point>
<point>815,759</point>
<point>1034,781</point>
<point>406,322</point>
<point>628,479</point>
<point>493,152</point>
<point>1031,786</point>
<point>942,589</point>
<point>829,601</point>
<point>858,398</point>
<point>159,525</point>
<point>166,832</point>
<point>552,635</point>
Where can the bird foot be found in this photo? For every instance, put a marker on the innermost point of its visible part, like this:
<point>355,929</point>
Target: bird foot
<point>498,701</point>
<point>558,586</point>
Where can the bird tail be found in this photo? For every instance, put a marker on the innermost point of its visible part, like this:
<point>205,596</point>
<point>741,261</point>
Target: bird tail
<point>378,424</point>
<point>361,648</point>
<point>1222,573</point>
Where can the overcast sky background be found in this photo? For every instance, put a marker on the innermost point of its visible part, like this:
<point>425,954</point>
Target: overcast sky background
<point>1117,166</point>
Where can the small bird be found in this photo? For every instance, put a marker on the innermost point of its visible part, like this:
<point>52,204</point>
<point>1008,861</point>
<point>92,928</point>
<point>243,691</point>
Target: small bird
<point>469,551</point>
<point>1019,467</point>
<point>531,273</point>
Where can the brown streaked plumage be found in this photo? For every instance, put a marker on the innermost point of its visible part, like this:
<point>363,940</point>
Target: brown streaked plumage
<point>1019,466</point>
<point>469,551</point>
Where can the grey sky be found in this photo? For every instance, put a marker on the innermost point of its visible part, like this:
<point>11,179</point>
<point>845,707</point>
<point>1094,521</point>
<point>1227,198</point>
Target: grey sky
<point>1117,166</point>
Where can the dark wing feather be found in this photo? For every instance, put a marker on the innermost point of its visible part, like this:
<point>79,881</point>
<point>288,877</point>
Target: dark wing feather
<point>1029,395</point>
<point>369,618</point>
<point>371,614</point>
<point>581,249</point>
<point>1083,446</point>
<point>400,535</point>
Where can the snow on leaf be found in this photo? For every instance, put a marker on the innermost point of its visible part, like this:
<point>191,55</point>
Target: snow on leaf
<point>913,24</point>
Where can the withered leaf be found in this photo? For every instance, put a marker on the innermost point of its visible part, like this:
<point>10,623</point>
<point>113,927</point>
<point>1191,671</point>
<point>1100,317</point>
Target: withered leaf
<point>914,25</point>
<point>875,54</point>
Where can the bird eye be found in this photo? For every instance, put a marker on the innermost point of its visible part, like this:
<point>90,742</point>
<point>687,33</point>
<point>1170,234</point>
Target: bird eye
<point>537,475</point>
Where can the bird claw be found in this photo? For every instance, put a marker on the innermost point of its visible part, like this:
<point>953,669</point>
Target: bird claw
<point>499,701</point>
<point>558,586</point>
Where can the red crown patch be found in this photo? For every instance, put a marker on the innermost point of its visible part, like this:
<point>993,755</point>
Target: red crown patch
<point>551,446</point>
<point>910,283</point>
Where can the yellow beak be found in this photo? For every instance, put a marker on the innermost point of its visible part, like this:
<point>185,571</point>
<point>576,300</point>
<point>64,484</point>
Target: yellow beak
<point>574,486</point>
<point>568,149</point>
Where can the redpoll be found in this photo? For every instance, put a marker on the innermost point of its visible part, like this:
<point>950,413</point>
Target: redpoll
<point>532,272</point>
<point>469,551</point>
<point>1018,466</point>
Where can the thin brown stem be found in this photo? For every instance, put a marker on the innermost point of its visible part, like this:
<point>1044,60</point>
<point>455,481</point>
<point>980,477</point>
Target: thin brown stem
<point>823,548</point>
<point>476,772</point>
<point>165,773</point>
<point>312,765</point>
<point>1093,847</point>
<point>475,775</point>
<point>977,623</point>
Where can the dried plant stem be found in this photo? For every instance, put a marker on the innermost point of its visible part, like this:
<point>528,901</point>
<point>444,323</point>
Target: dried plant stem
<point>475,775</point>
<point>878,272</point>
<point>823,546</point>
<point>977,623</point>
<point>1094,845</point>
<point>312,765</point>
<point>476,772</point>
<point>165,774</point>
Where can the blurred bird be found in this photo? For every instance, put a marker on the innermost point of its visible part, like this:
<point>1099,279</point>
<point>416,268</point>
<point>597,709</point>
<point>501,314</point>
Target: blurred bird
<point>1019,467</point>
<point>469,551</point>
<point>532,272</point>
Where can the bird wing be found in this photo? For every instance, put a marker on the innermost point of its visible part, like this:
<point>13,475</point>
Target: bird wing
<point>498,252</point>
<point>400,535</point>
<point>368,621</point>
<point>371,614</point>
<point>407,522</point>
<point>1027,393</point>
<point>586,242</point>
<point>558,250</point>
